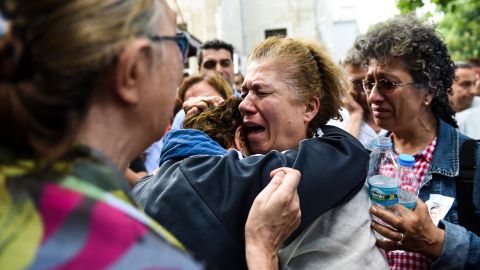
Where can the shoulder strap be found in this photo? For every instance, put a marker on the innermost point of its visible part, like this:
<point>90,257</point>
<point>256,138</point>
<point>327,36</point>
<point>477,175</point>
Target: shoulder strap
<point>464,185</point>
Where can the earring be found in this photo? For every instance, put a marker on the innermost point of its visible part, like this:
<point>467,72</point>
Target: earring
<point>426,103</point>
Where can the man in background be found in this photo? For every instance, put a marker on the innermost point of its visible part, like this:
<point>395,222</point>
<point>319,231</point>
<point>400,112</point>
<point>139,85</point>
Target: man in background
<point>463,87</point>
<point>217,55</point>
<point>357,118</point>
<point>462,100</point>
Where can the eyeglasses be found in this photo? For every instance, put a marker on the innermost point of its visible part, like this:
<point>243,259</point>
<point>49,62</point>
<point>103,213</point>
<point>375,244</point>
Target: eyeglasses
<point>357,85</point>
<point>383,86</point>
<point>180,38</point>
<point>211,64</point>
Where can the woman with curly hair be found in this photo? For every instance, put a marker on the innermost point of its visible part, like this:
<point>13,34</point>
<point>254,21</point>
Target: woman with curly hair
<point>409,79</point>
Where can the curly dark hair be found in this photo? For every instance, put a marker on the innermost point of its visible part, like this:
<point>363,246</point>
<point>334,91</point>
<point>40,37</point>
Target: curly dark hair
<point>416,42</point>
<point>353,57</point>
<point>219,123</point>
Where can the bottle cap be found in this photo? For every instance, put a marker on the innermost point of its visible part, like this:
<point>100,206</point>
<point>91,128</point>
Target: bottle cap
<point>406,160</point>
<point>383,142</point>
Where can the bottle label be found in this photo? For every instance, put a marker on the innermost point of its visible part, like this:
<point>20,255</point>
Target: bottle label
<point>386,196</point>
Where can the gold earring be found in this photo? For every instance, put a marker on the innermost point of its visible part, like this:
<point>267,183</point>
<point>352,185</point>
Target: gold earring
<point>426,103</point>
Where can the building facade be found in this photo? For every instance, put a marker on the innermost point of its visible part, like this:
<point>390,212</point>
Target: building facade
<point>245,23</point>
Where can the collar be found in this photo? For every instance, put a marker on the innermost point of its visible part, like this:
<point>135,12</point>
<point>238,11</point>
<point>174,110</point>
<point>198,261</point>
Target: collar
<point>427,153</point>
<point>445,158</point>
<point>183,143</point>
<point>81,162</point>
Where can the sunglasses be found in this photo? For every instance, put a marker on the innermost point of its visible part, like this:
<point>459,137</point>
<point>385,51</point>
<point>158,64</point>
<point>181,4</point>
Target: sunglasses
<point>383,86</point>
<point>181,40</point>
<point>211,64</point>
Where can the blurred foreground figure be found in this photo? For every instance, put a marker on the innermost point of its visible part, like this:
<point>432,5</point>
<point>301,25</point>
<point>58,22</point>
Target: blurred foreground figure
<point>90,85</point>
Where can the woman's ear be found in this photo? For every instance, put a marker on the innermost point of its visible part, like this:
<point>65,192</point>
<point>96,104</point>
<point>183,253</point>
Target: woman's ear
<point>427,100</point>
<point>311,109</point>
<point>239,142</point>
<point>131,68</point>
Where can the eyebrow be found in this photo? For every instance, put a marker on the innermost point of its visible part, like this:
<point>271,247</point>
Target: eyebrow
<point>221,59</point>
<point>256,85</point>
<point>383,75</point>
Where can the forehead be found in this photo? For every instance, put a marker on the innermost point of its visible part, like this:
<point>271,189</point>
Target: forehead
<point>213,54</point>
<point>264,69</point>
<point>202,88</point>
<point>466,73</point>
<point>355,71</point>
<point>166,22</point>
<point>393,67</point>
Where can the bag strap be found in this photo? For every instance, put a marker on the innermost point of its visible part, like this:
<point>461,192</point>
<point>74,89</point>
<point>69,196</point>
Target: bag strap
<point>464,185</point>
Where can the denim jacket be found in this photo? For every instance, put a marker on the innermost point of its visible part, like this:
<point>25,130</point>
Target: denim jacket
<point>461,249</point>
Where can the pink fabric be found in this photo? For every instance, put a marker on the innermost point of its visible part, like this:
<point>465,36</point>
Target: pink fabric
<point>422,162</point>
<point>401,260</point>
<point>407,260</point>
<point>111,233</point>
<point>55,206</point>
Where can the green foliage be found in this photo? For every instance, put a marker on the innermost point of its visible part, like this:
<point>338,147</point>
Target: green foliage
<point>459,26</point>
<point>407,6</point>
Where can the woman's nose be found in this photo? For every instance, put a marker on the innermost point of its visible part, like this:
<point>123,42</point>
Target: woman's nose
<point>375,95</point>
<point>247,106</point>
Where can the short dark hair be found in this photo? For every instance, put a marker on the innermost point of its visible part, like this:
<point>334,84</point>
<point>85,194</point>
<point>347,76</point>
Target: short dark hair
<point>418,44</point>
<point>215,44</point>
<point>474,61</point>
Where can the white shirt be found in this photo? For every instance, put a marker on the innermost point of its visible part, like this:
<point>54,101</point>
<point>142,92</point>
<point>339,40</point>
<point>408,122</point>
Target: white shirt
<point>469,122</point>
<point>366,133</point>
<point>339,239</point>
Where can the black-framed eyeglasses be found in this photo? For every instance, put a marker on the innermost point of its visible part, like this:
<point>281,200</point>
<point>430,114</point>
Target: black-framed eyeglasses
<point>383,86</point>
<point>180,38</point>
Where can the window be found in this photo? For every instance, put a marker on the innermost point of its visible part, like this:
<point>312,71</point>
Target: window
<point>276,32</point>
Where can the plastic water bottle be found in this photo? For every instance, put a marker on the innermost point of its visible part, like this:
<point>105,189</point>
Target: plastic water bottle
<point>382,173</point>
<point>408,184</point>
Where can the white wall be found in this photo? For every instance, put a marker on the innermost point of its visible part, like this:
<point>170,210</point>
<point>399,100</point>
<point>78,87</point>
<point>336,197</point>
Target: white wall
<point>243,22</point>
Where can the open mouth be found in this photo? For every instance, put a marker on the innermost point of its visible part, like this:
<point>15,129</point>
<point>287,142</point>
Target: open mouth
<point>254,129</point>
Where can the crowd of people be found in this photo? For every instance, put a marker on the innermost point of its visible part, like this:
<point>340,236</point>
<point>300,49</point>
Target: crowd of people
<point>262,171</point>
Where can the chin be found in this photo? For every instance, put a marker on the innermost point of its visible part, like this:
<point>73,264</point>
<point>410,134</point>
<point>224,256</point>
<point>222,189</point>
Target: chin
<point>258,150</point>
<point>384,123</point>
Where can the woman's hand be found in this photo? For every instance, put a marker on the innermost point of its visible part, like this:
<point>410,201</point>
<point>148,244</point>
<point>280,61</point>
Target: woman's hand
<point>134,177</point>
<point>355,114</point>
<point>352,106</point>
<point>415,230</point>
<point>274,215</point>
<point>196,105</point>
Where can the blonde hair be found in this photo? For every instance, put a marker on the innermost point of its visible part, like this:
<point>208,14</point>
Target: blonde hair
<point>308,69</point>
<point>68,47</point>
<point>86,34</point>
<point>212,78</point>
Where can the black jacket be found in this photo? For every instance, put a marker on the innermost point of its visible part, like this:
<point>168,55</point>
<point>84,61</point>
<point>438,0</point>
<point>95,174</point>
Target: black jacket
<point>204,200</point>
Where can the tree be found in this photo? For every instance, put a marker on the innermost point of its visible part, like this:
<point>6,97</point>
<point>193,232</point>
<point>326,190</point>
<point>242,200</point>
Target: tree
<point>459,25</point>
